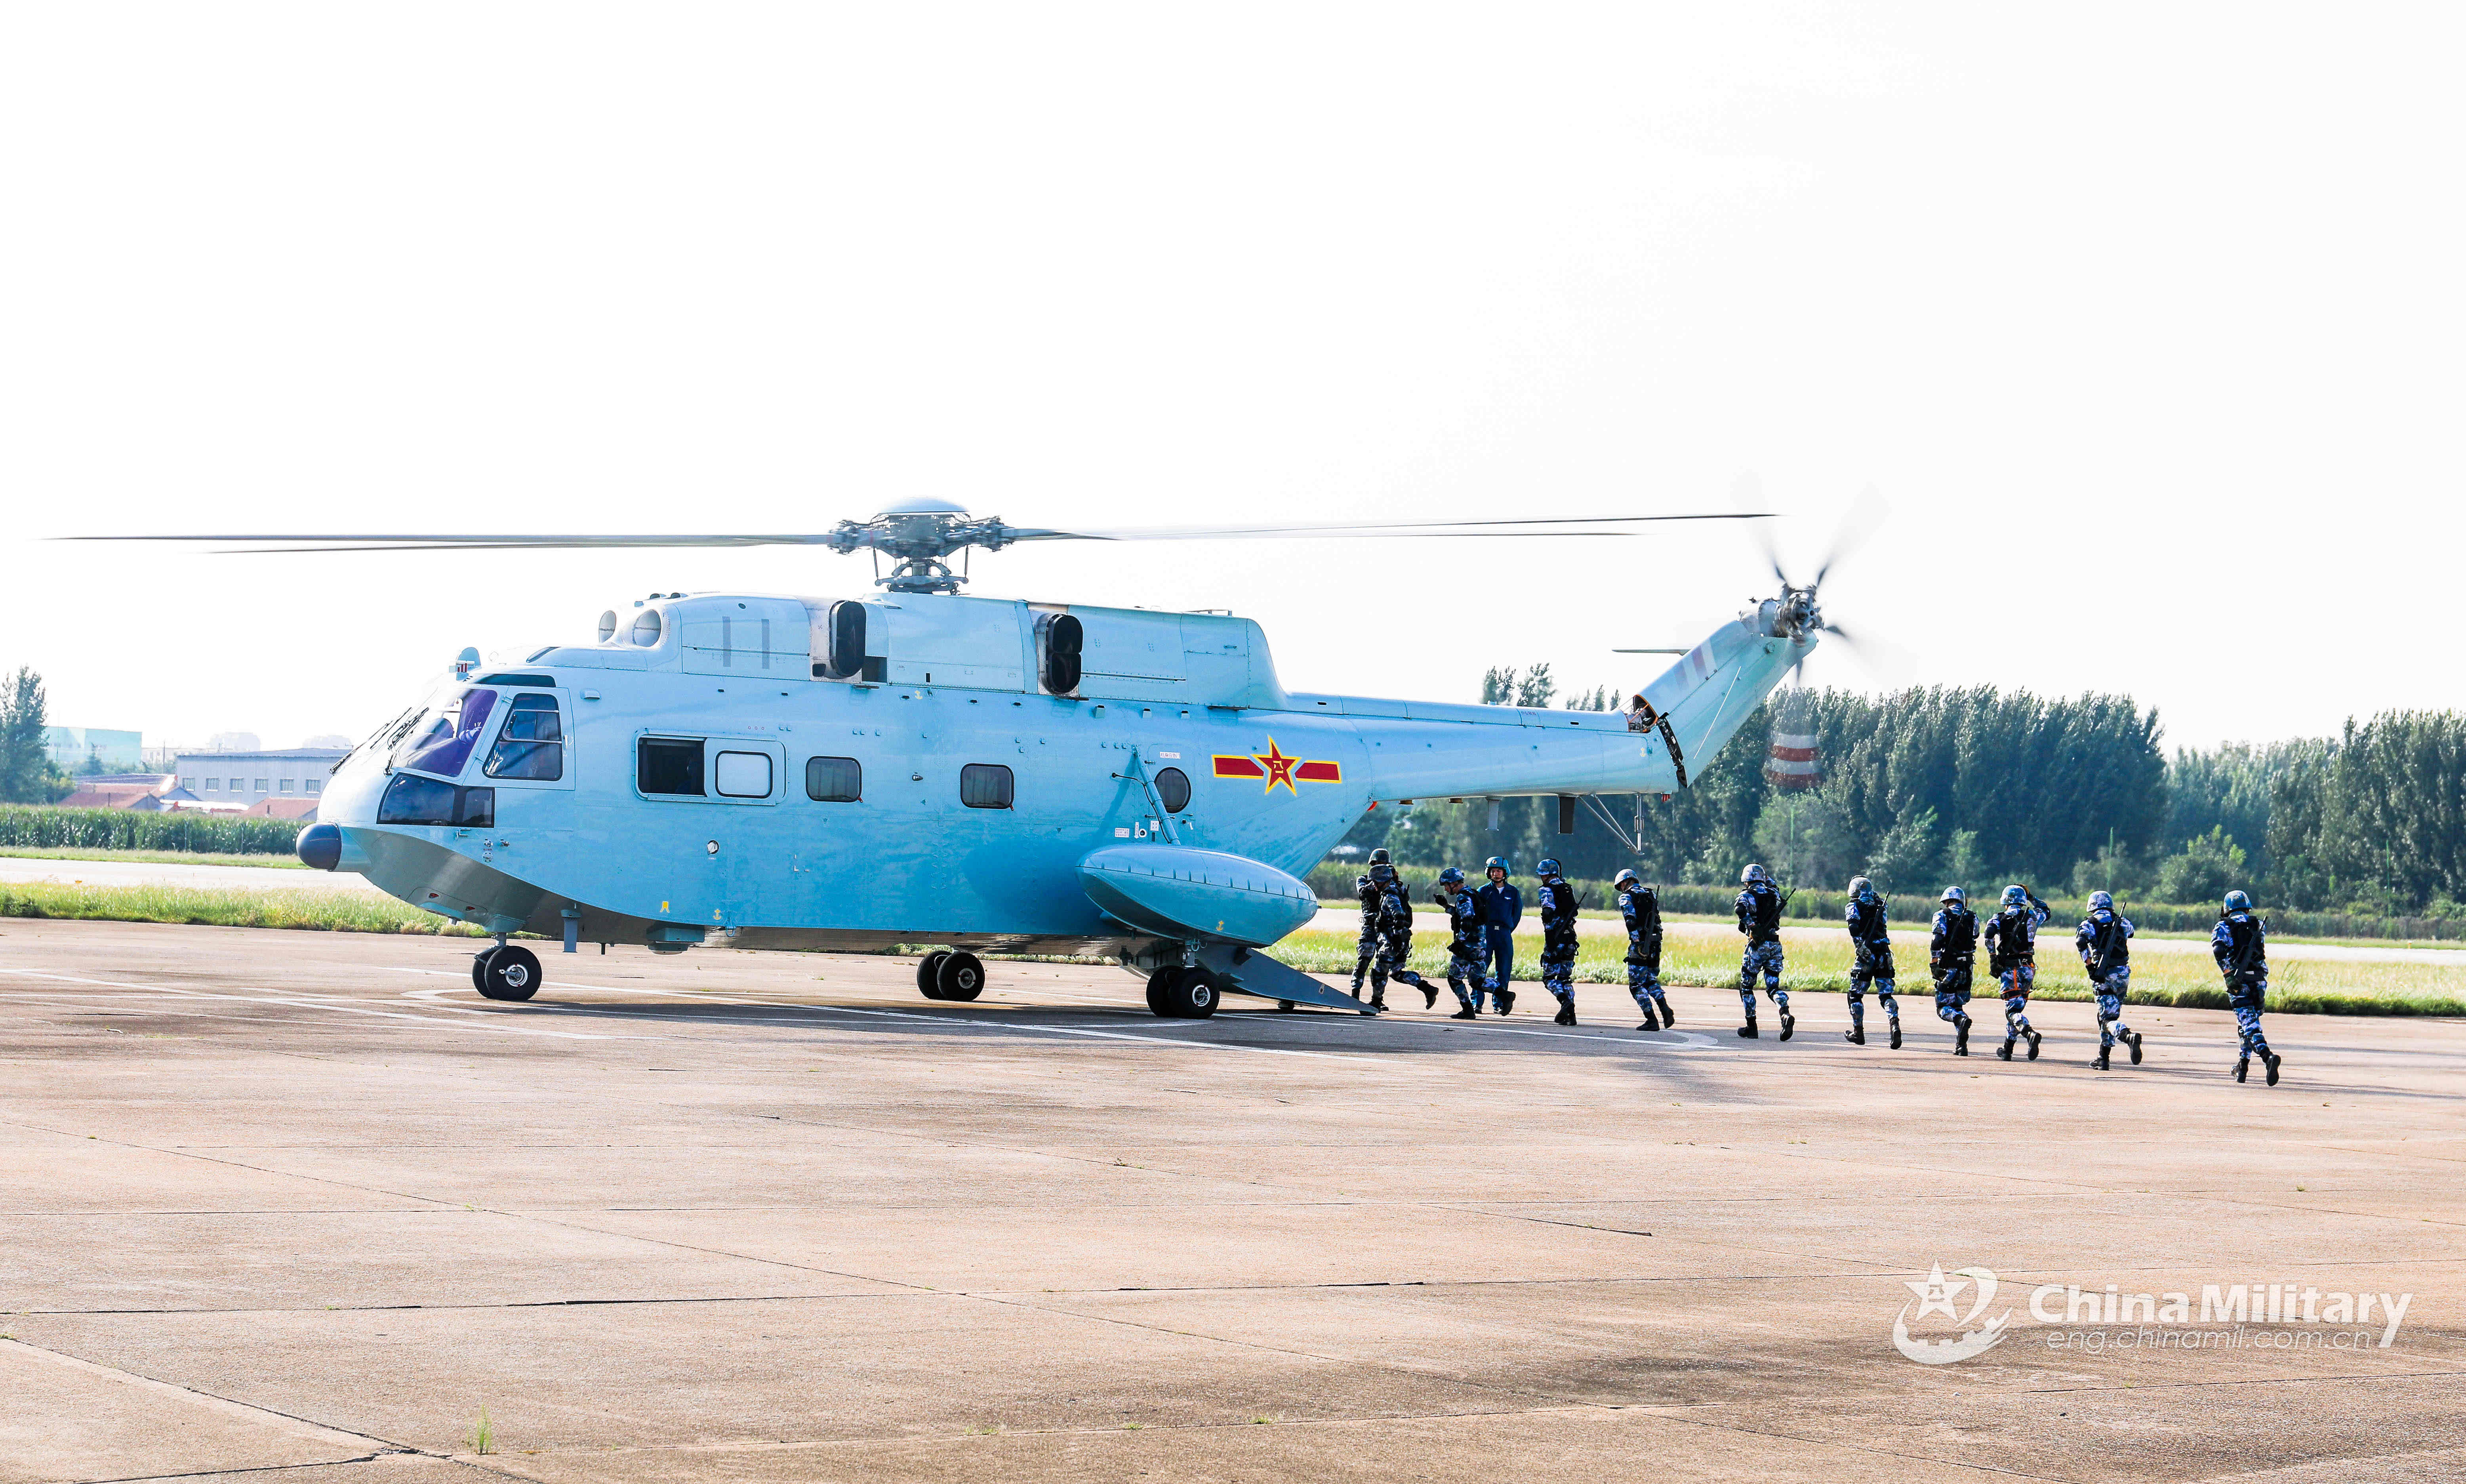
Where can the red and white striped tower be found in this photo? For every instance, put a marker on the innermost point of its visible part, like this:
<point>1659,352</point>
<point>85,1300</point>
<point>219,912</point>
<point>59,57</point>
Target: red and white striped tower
<point>1793,763</point>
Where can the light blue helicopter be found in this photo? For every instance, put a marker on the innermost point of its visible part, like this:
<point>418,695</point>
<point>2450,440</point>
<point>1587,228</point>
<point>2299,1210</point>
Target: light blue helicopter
<point>921,766</point>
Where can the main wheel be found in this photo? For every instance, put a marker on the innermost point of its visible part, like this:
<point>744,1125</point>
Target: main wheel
<point>1158,984</point>
<point>959,977</point>
<point>480,969</point>
<point>1188,994</point>
<point>928,969</point>
<point>509,972</point>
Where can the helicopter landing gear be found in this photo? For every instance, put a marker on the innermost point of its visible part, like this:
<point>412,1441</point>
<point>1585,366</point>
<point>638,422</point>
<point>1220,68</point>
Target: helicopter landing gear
<point>508,971</point>
<point>1181,994</point>
<point>951,975</point>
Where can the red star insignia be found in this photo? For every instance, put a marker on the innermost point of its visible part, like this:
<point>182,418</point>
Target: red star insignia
<point>1280,768</point>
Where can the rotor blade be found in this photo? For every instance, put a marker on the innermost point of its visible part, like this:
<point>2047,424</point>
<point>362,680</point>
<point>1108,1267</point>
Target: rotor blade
<point>384,543</point>
<point>1407,527</point>
<point>1748,495</point>
<point>1859,522</point>
<point>1886,661</point>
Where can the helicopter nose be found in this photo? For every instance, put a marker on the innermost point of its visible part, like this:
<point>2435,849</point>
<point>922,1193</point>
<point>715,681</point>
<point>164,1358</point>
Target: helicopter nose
<point>320,846</point>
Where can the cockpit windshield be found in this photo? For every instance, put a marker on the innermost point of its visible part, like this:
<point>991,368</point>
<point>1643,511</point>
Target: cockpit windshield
<point>442,744</point>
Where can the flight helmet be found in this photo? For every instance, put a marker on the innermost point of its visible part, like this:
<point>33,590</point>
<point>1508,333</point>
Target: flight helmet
<point>1548,868</point>
<point>2101,902</point>
<point>2238,902</point>
<point>1497,862</point>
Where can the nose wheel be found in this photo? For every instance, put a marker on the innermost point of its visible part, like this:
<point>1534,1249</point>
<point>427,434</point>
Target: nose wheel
<point>508,971</point>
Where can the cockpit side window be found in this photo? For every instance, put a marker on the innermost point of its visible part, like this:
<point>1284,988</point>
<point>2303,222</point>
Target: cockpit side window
<point>532,744</point>
<point>445,744</point>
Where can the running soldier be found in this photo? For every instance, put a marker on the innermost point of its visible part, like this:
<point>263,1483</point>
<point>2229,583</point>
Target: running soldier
<point>1870,943</point>
<point>1502,909</point>
<point>1387,946</point>
<point>1465,947</point>
<point>2240,944</point>
<point>1642,907</point>
<point>2012,959</point>
<point>2105,944</point>
<point>1952,956</point>
<point>1558,904</point>
<point>1759,908</point>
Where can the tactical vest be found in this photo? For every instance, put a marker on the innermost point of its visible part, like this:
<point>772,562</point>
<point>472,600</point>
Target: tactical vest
<point>2016,942</point>
<point>2245,952</point>
<point>2109,946</point>
<point>1956,933</point>
<point>1463,916</point>
<point>1763,913</point>
<point>1867,922</point>
<point>1559,909</point>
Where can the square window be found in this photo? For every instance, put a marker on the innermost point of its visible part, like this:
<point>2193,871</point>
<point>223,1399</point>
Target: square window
<point>286,786</point>
<point>985,786</point>
<point>213,785</point>
<point>669,765</point>
<point>260,786</point>
<point>833,780</point>
<point>316,785</point>
<point>743,775</point>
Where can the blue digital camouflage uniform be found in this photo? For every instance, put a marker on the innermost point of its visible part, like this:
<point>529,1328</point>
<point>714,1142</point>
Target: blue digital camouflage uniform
<point>1759,910</point>
<point>2105,944</point>
<point>2012,958</point>
<point>1871,947</point>
<point>1952,954</point>
<point>2240,944</point>
<point>1465,947</point>
<point>1556,903</point>
<point>1387,943</point>
<point>1642,908</point>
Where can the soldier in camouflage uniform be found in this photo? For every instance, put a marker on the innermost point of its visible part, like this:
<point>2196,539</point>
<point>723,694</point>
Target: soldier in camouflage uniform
<point>2105,944</point>
<point>1759,908</point>
<point>1641,906</point>
<point>2240,944</point>
<point>2011,940</point>
<point>1558,905</point>
<point>1871,946</point>
<point>1952,956</point>
<point>1469,944</point>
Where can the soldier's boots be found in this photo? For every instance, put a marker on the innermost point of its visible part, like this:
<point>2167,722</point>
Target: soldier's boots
<point>1467,1013</point>
<point>1788,1024</point>
<point>2033,1042</point>
<point>1961,1035</point>
<point>1856,1035</point>
<point>1896,1032</point>
<point>2132,1039</point>
<point>2004,1052</point>
<point>1506,998</point>
<point>1429,996</point>
<point>2270,1058</point>
<point>2100,1064</point>
<point>1652,1022</point>
<point>1566,1015</point>
<point>1668,1019</point>
<point>2243,1065</point>
<point>1749,1030</point>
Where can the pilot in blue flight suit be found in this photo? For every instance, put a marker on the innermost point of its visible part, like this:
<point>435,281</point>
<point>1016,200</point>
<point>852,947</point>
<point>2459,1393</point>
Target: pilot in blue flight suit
<point>1502,907</point>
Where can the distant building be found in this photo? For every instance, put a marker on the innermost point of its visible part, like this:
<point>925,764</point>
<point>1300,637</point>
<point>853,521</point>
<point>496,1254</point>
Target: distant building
<point>76,748</point>
<point>240,780</point>
<point>141,792</point>
<point>282,809</point>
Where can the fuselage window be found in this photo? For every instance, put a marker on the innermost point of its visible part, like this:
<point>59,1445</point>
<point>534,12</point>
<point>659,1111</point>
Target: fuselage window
<point>1173,785</point>
<point>985,786</point>
<point>743,775</point>
<point>533,745</point>
<point>412,799</point>
<point>668,765</point>
<point>446,744</point>
<point>833,780</point>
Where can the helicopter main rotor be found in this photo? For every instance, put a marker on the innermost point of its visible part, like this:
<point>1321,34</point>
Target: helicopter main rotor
<point>920,536</point>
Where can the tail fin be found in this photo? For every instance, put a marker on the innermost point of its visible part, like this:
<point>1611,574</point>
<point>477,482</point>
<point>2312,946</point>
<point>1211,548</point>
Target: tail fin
<point>1699,702</point>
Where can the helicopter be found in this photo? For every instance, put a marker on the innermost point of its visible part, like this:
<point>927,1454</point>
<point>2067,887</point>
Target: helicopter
<point>919,765</point>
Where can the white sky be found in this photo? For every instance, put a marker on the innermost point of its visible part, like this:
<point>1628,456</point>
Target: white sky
<point>2146,320</point>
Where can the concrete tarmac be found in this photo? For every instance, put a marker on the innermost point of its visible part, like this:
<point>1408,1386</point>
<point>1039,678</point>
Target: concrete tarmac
<point>304,1202</point>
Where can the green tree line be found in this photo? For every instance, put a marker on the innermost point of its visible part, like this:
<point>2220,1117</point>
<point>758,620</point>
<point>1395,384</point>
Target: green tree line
<point>1977,786</point>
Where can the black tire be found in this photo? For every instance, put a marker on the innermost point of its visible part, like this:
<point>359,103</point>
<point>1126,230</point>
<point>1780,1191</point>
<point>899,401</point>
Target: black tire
<point>929,970</point>
<point>1156,985</point>
<point>480,969</point>
<point>1189,994</point>
<point>959,975</point>
<point>509,972</point>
